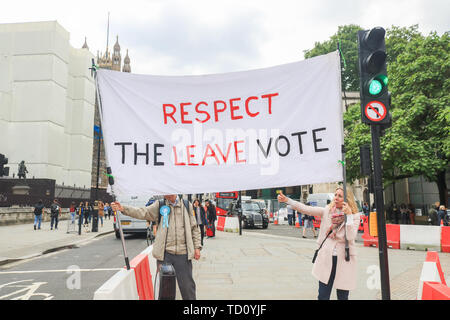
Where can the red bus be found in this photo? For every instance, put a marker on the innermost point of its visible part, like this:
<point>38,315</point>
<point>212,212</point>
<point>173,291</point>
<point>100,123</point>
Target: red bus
<point>223,200</point>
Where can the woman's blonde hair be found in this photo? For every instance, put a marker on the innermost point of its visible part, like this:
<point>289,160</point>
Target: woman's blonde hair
<point>350,200</point>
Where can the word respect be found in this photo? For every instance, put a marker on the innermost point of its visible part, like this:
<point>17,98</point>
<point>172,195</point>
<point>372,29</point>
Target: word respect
<point>187,112</point>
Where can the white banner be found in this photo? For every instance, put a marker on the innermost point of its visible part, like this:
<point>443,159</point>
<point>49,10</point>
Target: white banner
<point>265,128</point>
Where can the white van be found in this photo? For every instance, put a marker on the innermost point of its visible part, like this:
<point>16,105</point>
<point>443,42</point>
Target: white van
<point>320,199</point>
<point>129,224</point>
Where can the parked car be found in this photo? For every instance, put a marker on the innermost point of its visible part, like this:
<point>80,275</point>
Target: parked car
<point>254,215</point>
<point>131,225</point>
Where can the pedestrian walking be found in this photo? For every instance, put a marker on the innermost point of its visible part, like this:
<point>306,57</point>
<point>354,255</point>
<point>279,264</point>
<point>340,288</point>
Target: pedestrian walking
<point>106,210</point>
<point>442,215</point>
<point>433,218</point>
<point>365,208</point>
<point>412,214</point>
<point>177,239</point>
<point>86,213</point>
<point>200,216</point>
<point>38,212</point>
<point>72,211</point>
<point>404,214</point>
<point>308,224</point>
<point>110,212</point>
<point>339,220</point>
<point>396,211</point>
<point>290,212</point>
<point>211,217</point>
<point>101,212</point>
<point>55,212</point>
<point>80,211</point>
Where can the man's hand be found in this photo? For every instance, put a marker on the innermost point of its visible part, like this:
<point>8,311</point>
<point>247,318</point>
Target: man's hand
<point>282,198</point>
<point>116,206</point>
<point>197,254</point>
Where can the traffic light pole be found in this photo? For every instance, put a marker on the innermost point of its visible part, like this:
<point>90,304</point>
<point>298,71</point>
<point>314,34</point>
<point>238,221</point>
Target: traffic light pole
<point>379,203</point>
<point>240,213</point>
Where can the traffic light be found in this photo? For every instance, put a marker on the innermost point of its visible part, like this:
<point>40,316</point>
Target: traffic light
<point>4,171</point>
<point>365,160</point>
<point>374,95</point>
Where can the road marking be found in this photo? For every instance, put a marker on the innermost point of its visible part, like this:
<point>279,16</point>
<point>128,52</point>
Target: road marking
<point>63,270</point>
<point>28,290</point>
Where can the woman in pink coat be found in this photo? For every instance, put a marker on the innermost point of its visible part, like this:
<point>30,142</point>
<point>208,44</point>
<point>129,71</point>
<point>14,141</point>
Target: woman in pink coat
<point>330,267</point>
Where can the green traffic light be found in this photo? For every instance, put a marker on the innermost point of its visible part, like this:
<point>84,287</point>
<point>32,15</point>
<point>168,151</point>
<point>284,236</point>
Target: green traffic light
<point>375,87</point>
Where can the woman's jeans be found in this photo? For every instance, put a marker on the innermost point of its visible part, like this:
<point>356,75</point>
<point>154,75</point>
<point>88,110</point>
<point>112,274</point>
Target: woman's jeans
<point>325,289</point>
<point>38,220</point>
<point>72,214</point>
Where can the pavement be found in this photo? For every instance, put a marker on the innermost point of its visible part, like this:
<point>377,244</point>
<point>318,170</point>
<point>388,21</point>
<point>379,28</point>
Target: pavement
<point>251,266</point>
<point>19,242</point>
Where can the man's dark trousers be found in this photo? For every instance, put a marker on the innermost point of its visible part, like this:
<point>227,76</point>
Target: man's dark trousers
<point>183,271</point>
<point>55,220</point>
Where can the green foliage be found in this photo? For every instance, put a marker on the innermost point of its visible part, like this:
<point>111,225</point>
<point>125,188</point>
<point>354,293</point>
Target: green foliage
<point>397,38</point>
<point>418,143</point>
<point>347,36</point>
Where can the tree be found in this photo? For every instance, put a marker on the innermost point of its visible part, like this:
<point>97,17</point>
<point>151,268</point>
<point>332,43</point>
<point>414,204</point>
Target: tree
<point>418,142</point>
<point>419,79</point>
<point>347,37</point>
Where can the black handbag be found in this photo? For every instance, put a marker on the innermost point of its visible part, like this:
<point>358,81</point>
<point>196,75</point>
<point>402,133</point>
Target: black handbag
<point>317,251</point>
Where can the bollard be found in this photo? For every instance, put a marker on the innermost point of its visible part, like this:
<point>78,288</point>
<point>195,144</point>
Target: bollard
<point>80,222</point>
<point>95,221</point>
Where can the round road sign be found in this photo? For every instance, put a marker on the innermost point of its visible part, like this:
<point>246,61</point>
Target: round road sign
<point>375,111</point>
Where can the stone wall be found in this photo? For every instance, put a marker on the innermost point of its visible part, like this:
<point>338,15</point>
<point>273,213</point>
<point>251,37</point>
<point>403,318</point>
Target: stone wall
<point>11,216</point>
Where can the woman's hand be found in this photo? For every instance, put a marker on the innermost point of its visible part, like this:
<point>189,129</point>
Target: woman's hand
<point>282,198</point>
<point>116,206</point>
<point>346,208</point>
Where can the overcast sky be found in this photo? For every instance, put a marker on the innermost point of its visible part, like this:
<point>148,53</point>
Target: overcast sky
<point>188,37</point>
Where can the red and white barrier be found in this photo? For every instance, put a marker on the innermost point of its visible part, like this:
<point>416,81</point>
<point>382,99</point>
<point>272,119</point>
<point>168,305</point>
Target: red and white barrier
<point>134,284</point>
<point>431,272</point>
<point>435,291</point>
<point>227,224</point>
<point>121,286</point>
<point>231,224</point>
<point>445,239</point>
<point>418,237</point>
<point>220,223</point>
<point>141,266</point>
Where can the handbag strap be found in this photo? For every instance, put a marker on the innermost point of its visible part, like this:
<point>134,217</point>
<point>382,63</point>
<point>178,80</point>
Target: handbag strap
<point>324,240</point>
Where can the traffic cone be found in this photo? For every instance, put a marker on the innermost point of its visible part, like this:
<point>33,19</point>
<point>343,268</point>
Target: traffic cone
<point>442,223</point>
<point>297,224</point>
<point>275,221</point>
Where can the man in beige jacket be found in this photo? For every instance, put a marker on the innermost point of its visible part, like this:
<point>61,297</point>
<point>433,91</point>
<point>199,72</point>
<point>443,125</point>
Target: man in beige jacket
<point>177,244</point>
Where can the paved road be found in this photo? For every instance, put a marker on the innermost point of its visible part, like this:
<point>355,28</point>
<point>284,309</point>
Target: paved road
<point>47,276</point>
<point>286,230</point>
<point>259,265</point>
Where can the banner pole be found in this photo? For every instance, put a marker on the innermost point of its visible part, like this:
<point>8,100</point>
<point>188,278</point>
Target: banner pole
<point>344,175</point>
<point>108,168</point>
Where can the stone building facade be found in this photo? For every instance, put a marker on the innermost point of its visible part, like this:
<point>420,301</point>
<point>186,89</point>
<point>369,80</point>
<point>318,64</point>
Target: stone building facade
<point>47,98</point>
